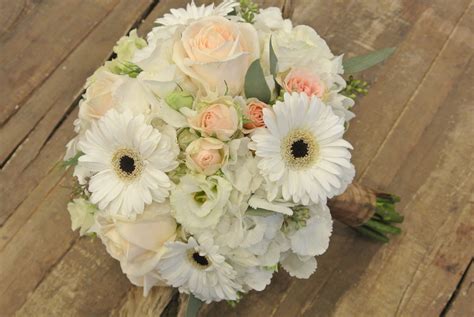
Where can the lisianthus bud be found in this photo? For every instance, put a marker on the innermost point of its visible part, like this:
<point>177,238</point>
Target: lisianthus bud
<point>185,137</point>
<point>179,99</point>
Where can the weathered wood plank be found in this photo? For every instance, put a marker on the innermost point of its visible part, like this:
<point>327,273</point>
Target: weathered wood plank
<point>86,282</point>
<point>27,258</point>
<point>52,29</point>
<point>54,99</point>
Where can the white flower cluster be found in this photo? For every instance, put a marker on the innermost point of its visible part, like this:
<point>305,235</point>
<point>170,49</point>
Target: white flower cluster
<point>191,182</point>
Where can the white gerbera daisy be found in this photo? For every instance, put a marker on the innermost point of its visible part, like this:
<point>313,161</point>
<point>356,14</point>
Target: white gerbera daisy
<point>193,12</point>
<point>301,151</point>
<point>199,268</point>
<point>128,160</point>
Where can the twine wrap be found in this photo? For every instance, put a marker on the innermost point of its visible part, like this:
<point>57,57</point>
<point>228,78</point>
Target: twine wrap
<point>355,206</point>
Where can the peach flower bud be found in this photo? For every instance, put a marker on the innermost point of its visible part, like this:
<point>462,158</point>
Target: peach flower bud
<point>218,120</point>
<point>254,114</point>
<point>300,80</point>
<point>206,155</point>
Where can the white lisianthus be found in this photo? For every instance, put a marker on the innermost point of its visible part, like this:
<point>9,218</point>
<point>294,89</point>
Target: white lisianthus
<point>138,244</point>
<point>127,45</point>
<point>198,202</point>
<point>82,215</point>
<point>216,54</point>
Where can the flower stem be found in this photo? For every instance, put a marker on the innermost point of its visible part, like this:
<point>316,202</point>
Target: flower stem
<point>193,307</point>
<point>383,220</point>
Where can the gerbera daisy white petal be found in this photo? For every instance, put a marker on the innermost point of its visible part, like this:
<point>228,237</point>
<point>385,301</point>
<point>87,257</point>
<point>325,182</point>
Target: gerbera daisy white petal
<point>302,151</point>
<point>198,268</point>
<point>128,160</point>
<point>193,12</point>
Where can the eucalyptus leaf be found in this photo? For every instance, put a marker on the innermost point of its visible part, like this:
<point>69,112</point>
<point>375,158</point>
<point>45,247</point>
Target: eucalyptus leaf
<point>360,63</point>
<point>73,160</point>
<point>193,307</point>
<point>273,60</point>
<point>259,212</point>
<point>255,85</point>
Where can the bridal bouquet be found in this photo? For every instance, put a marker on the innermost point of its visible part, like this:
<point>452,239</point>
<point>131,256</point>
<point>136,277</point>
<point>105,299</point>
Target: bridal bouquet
<point>207,155</point>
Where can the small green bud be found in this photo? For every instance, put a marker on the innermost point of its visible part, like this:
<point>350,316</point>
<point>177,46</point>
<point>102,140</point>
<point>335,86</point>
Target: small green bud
<point>179,99</point>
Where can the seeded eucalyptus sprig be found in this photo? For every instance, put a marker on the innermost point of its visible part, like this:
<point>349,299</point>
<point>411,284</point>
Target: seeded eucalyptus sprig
<point>355,87</point>
<point>248,9</point>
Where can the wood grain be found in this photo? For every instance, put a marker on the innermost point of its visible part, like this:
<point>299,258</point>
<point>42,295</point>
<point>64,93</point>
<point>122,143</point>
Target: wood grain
<point>412,136</point>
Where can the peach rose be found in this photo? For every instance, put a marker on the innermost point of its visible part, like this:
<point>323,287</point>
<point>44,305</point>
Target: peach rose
<point>254,114</point>
<point>300,80</point>
<point>218,120</point>
<point>206,155</point>
<point>216,53</point>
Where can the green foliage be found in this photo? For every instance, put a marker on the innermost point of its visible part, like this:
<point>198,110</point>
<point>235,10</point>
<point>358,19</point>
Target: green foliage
<point>360,63</point>
<point>73,160</point>
<point>355,87</point>
<point>247,10</point>
<point>124,68</point>
<point>255,85</point>
<point>273,60</point>
<point>194,305</point>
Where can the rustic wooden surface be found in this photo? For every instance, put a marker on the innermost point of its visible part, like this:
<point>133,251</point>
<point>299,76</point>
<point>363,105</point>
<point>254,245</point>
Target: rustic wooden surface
<point>413,135</point>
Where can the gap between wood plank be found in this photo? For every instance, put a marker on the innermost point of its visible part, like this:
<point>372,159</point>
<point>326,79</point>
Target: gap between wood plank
<point>456,291</point>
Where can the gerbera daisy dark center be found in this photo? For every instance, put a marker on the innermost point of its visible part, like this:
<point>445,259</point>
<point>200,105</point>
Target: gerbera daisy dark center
<point>199,259</point>
<point>299,148</point>
<point>127,164</point>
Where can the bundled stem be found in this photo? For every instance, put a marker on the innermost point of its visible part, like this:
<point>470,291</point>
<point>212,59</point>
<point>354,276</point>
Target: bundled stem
<point>369,213</point>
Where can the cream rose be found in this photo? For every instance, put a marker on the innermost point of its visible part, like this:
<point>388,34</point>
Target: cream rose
<point>206,155</point>
<point>216,53</point>
<point>138,244</point>
<point>220,120</point>
<point>99,97</point>
<point>254,114</point>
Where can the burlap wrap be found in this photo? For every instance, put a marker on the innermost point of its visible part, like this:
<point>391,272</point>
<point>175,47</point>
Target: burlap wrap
<point>355,206</point>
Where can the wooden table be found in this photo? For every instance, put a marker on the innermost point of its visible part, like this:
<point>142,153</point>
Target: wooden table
<point>413,135</point>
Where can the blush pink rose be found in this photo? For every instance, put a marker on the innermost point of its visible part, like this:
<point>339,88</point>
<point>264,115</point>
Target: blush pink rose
<point>218,120</point>
<point>300,80</point>
<point>206,155</point>
<point>254,114</point>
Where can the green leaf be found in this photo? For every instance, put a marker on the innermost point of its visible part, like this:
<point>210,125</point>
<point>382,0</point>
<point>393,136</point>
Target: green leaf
<point>259,212</point>
<point>273,60</point>
<point>360,63</point>
<point>194,305</point>
<point>73,160</point>
<point>255,84</point>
